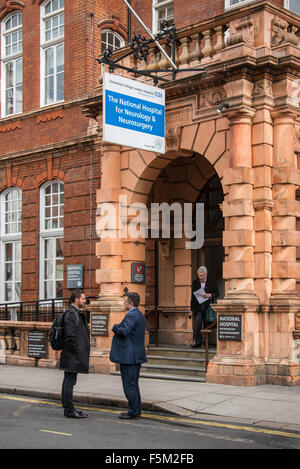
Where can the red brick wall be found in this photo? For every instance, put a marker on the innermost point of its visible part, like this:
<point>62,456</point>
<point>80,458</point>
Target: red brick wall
<point>80,172</point>
<point>59,127</point>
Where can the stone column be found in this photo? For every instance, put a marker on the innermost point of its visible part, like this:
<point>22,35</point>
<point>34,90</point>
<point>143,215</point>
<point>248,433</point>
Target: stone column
<point>285,179</point>
<point>238,268</point>
<point>262,140</point>
<point>239,362</point>
<point>109,249</point>
<point>282,364</point>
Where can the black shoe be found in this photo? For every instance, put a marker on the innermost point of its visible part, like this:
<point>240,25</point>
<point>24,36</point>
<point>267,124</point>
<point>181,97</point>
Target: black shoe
<point>196,346</point>
<point>75,415</point>
<point>125,416</point>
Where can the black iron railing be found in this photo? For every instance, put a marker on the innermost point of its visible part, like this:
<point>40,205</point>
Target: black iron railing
<point>36,310</point>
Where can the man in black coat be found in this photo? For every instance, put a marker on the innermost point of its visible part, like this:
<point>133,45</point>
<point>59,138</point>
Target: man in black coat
<point>203,292</point>
<point>128,349</point>
<point>75,354</point>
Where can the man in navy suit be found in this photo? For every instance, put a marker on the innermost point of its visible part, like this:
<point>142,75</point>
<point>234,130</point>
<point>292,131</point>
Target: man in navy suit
<point>128,349</point>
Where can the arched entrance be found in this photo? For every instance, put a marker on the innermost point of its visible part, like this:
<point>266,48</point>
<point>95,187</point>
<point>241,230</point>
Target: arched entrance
<point>171,266</point>
<point>200,152</point>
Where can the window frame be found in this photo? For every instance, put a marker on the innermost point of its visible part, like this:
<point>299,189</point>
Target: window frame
<point>115,35</point>
<point>45,45</point>
<point>13,58</point>
<point>45,234</point>
<point>156,6</point>
<point>227,5</point>
<point>14,238</point>
<point>287,6</point>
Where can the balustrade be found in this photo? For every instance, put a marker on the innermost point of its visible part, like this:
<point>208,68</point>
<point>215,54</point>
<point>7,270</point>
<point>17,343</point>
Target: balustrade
<point>261,26</point>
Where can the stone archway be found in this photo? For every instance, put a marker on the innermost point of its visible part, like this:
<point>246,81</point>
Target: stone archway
<point>141,169</point>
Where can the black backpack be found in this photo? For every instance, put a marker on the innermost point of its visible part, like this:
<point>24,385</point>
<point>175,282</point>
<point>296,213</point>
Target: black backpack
<point>56,334</point>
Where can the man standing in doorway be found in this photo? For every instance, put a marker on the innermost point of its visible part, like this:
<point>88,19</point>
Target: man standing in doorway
<point>128,349</point>
<point>203,291</point>
<point>75,354</point>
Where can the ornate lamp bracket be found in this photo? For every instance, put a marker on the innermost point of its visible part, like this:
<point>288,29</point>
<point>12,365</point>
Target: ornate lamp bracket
<point>139,47</point>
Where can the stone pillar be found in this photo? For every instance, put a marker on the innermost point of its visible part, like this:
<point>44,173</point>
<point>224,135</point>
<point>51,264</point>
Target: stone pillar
<point>239,362</point>
<point>262,140</point>
<point>109,249</point>
<point>285,179</point>
<point>238,268</point>
<point>282,363</point>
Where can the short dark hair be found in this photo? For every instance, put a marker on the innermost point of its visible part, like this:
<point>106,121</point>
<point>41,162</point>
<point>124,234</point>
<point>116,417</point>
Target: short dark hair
<point>75,294</point>
<point>133,298</point>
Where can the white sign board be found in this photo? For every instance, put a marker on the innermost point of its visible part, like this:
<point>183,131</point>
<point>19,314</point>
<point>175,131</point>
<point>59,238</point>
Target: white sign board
<point>133,113</point>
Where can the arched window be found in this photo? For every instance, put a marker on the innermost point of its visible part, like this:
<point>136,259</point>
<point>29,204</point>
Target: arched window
<point>52,51</point>
<point>12,64</point>
<point>52,240</point>
<point>111,40</point>
<point>11,244</point>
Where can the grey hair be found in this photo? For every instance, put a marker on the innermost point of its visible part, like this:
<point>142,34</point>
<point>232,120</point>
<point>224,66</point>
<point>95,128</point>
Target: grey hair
<point>202,268</point>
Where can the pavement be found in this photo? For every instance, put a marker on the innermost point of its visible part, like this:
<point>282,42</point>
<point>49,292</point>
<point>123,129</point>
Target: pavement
<point>265,405</point>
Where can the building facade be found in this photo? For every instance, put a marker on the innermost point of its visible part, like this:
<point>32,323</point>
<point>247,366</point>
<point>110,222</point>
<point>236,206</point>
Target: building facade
<point>242,163</point>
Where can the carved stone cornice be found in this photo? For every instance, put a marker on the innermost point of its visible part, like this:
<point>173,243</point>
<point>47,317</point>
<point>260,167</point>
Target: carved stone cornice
<point>92,107</point>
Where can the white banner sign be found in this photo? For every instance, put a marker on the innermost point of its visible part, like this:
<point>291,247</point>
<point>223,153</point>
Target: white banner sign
<point>133,113</point>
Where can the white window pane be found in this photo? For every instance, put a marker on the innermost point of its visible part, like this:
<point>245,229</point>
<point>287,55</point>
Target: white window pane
<point>49,61</point>
<point>60,87</point>
<point>55,5</point>
<point>59,289</point>
<point>17,291</point>
<point>19,99</point>
<point>9,68</point>
<point>48,8</point>
<point>48,253</point>
<point>59,274</point>
<point>18,272</point>
<point>59,248</point>
<point>19,72</point>
<point>49,90</point>
<point>60,58</point>
<point>17,251</point>
<point>14,21</point>
<point>8,252</point>
<point>48,290</point>
<point>294,6</point>
<point>8,24</point>
<point>8,292</point>
<point>49,270</point>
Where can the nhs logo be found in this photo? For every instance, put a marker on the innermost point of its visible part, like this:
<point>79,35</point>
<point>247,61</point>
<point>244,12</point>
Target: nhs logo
<point>157,94</point>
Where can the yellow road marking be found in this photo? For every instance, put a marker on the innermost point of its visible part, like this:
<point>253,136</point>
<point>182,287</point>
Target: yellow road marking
<point>166,418</point>
<point>56,433</point>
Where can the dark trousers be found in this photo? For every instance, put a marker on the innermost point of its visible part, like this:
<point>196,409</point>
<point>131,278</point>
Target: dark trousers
<point>130,380</point>
<point>200,322</point>
<point>69,382</point>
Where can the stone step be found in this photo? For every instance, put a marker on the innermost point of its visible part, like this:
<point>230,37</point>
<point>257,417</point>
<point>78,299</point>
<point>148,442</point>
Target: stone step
<point>166,376</point>
<point>181,352</point>
<point>174,370</point>
<point>181,361</point>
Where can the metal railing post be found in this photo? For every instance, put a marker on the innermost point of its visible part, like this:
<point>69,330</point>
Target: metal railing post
<point>37,310</point>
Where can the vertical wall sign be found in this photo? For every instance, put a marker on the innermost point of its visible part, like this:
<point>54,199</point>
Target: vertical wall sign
<point>133,113</point>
